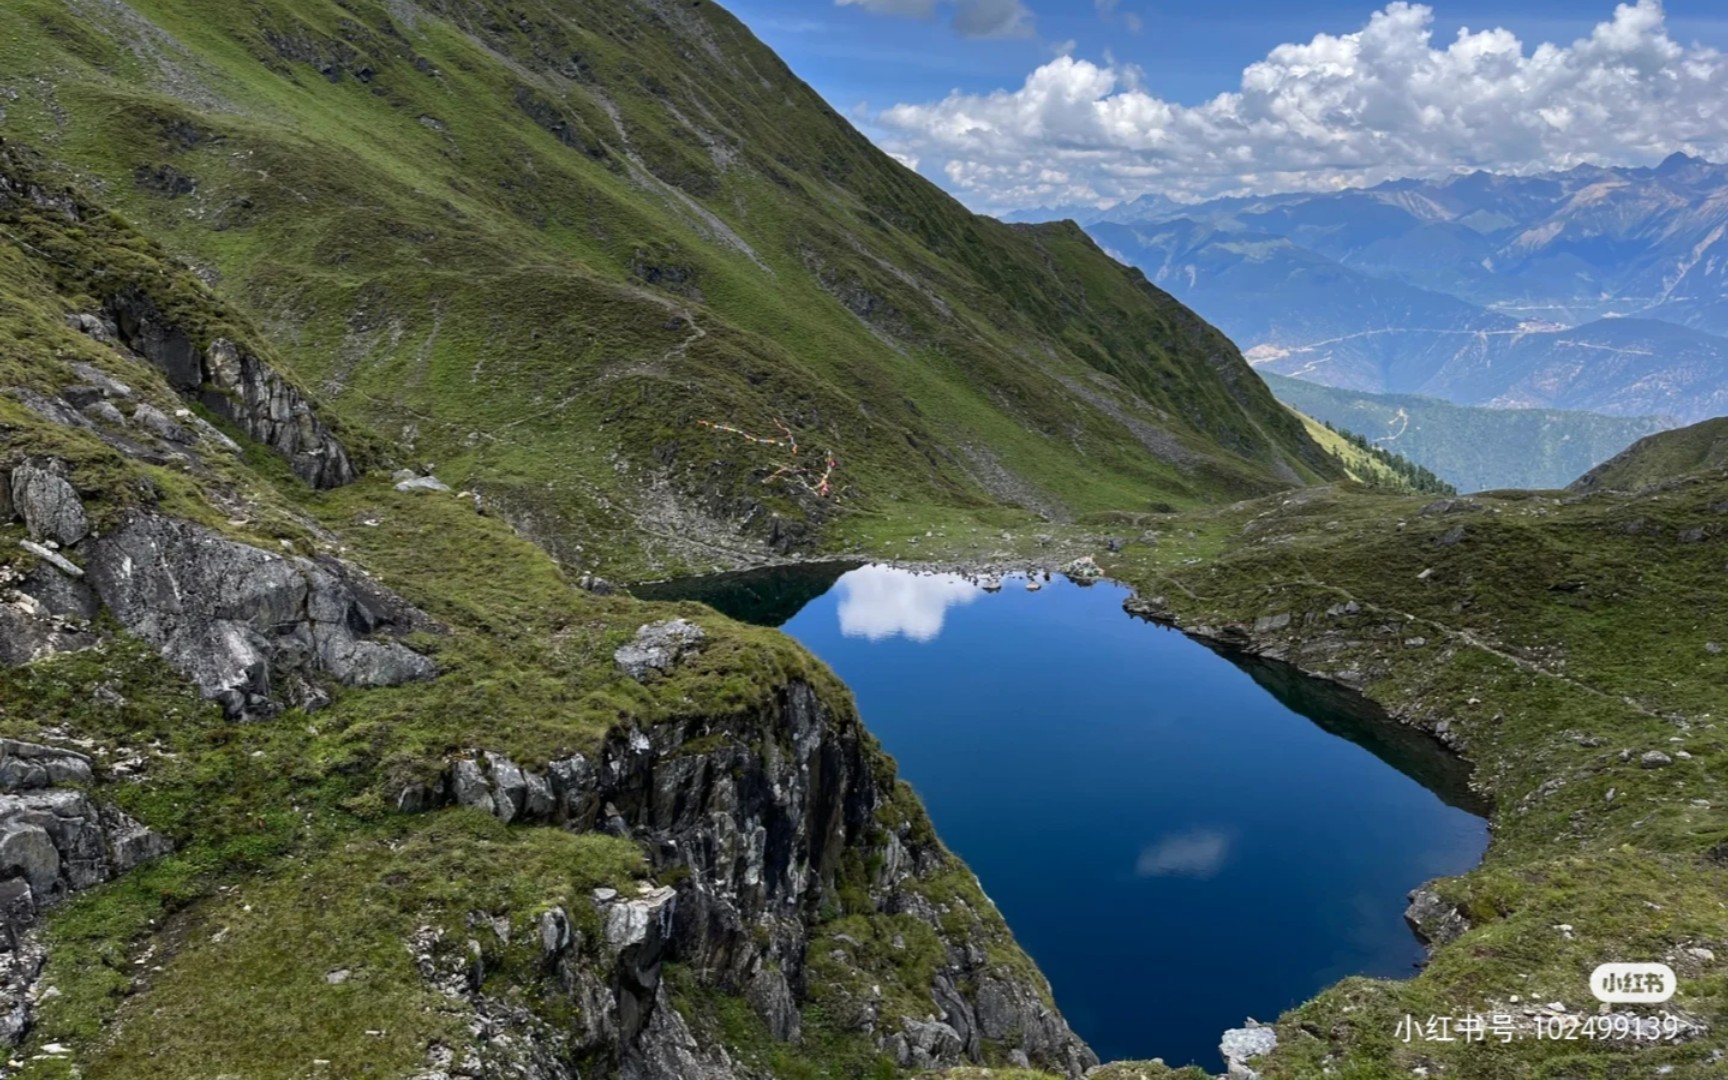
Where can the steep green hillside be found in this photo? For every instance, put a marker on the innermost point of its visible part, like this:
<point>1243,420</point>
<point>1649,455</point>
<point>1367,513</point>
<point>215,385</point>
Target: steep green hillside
<point>1475,449</point>
<point>540,244</point>
<point>309,773</point>
<point>1660,458</point>
<point>1373,465</point>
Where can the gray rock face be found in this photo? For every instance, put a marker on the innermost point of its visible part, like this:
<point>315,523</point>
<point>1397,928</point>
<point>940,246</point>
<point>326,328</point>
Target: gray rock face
<point>509,1040</point>
<point>104,412</point>
<point>159,424</point>
<point>761,822</point>
<point>1655,759</point>
<point>925,1044</point>
<point>668,1050</point>
<point>106,384</point>
<point>27,636</point>
<point>28,767</point>
<point>140,324</point>
<point>267,407</point>
<point>58,841</point>
<point>48,502</point>
<point>241,622</point>
<point>237,386</point>
<point>1433,920</point>
<point>41,611</point>
<point>54,841</point>
<point>658,647</point>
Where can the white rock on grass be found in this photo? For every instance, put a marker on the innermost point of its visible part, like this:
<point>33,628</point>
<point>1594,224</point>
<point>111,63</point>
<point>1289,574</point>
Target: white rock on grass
<point>659,646</point>
<point>1242,1045</point>
<point>423,483</point>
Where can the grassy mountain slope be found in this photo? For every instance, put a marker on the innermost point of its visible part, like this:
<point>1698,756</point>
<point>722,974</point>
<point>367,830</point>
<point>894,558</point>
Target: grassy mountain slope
<point>1373,466</point>
<point>1660,458</point>
<point>537,245</point>
<point>309,921</point>
<point>1473,448</point>
<point>540,243</point>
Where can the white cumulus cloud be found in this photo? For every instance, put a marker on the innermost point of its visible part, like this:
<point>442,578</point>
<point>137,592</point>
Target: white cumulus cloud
<point>972,18</point>
<point>1385,101</point>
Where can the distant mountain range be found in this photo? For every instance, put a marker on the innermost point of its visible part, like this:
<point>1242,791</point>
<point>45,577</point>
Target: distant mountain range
<point>1469,447</point>
<point>1600,289</point>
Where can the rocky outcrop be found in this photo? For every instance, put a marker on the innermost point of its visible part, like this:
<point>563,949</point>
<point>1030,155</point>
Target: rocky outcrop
<point>245,624</point>
<point>658,647</point>
<point>54,841</point>
<point>1083,570</point>
<point>48,503</point>
<point>1242,1045</point>
<point>273,411</point>
<point>248,626</point>
<point>763,820</point>
<point>235,384</point>
<point>1433,919</point>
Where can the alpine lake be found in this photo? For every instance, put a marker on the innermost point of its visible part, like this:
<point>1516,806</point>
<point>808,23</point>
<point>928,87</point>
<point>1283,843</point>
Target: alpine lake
<point>1180,838</point>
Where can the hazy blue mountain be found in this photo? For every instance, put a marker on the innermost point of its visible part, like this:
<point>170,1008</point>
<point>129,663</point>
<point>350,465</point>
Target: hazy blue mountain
<point>1472,448</point>
<point>1295,311</point>
<point>1595,288</point>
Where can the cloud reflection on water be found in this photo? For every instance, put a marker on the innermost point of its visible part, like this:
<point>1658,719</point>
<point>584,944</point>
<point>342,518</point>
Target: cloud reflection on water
<point>880,602</point>
<point>1199,854</point>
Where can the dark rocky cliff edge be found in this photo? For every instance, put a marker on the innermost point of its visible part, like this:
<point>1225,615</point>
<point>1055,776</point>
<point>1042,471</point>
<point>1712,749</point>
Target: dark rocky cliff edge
<point>769,823</point>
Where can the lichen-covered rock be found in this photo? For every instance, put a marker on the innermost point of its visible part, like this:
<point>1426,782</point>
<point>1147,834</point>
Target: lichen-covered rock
<point>48,502</point>
<point>555,933</point>
<point>658,647</point>
<point>509,1039</point>
<point>239,621</point>
<point>1084,568</point>
<point>925,1044</point>
<point>1434,920</point>
<point>104,412</point>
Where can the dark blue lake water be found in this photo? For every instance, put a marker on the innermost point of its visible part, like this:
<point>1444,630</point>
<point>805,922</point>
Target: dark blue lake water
<point>1178,839</point>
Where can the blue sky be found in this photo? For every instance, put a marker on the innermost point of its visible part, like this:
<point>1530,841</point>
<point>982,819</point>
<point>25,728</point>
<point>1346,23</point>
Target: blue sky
<point>1191,50</point>
<point>866,62</point>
